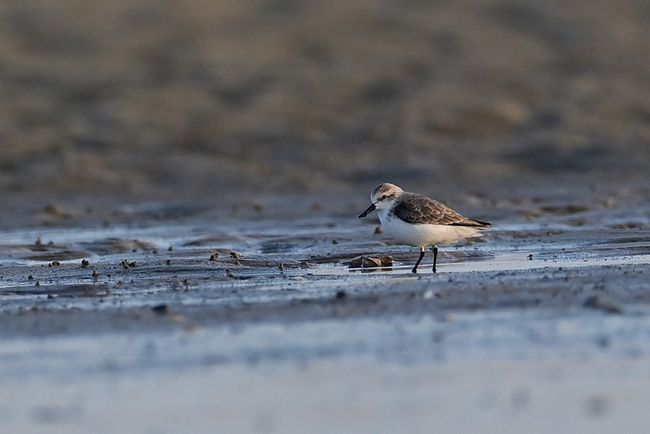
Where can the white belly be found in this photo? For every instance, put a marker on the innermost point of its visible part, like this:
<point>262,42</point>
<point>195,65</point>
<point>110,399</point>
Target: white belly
<point>425,234</point>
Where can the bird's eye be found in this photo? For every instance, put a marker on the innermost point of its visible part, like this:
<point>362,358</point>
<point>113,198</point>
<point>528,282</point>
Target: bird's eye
<point>383,196</point>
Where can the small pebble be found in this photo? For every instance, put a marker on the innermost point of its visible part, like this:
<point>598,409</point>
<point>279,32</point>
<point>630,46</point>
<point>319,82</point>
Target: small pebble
<point>160,309</point>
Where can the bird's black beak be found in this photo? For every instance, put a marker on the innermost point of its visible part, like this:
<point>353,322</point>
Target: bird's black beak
<point>370,209</point>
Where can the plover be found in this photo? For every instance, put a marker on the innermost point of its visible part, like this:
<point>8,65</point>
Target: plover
<point>419,221</point>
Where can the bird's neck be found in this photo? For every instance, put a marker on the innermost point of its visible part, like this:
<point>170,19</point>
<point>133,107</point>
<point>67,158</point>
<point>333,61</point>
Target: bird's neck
<point>384,212</point>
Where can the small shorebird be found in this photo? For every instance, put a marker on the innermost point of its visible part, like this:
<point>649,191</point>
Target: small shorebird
<point>419,221</point>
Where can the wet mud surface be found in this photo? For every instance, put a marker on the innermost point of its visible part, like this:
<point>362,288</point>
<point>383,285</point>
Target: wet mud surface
<point>262,300</point>
<point>179,183</point>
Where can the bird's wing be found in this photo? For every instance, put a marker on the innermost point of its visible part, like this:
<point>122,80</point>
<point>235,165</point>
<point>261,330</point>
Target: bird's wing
<point>413,208</point>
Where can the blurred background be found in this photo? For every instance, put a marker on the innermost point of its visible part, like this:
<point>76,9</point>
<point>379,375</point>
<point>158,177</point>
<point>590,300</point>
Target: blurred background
<point>198,99</point>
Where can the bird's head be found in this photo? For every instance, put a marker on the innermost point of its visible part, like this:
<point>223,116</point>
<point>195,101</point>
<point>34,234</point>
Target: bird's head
<point>382,197</point>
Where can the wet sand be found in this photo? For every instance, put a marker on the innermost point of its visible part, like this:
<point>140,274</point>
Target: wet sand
<point>180,181</point>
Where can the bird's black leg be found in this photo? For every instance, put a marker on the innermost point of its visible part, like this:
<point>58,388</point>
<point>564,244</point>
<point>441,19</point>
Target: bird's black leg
<point>435,257</point>
<point>415,269</point>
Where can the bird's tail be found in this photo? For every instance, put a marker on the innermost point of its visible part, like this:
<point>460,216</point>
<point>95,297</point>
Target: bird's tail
<point>478,224</point>
<point>482,224</point>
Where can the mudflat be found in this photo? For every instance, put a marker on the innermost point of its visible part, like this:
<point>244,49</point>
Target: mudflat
<point>180,183</point>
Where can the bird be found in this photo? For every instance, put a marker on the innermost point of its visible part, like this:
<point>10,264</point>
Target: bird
<point>416,220</point>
